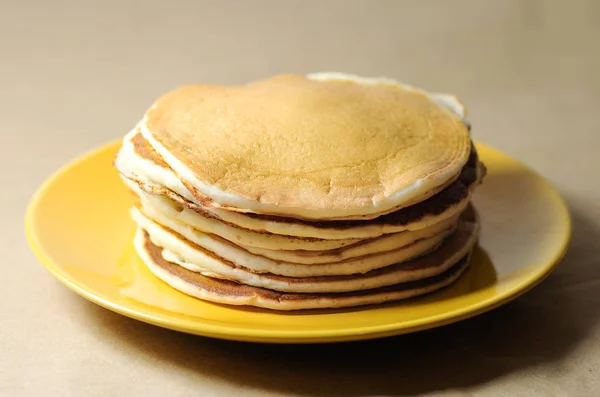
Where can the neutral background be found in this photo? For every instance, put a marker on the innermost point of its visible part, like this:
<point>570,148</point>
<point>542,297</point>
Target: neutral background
<point>75,74</point>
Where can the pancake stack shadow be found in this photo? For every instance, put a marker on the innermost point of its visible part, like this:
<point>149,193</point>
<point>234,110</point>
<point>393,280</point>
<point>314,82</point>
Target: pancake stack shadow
<point>192,237</point>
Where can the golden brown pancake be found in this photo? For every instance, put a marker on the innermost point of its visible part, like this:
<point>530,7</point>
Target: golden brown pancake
<point>303,192</point>
<point>266,147</point>
<point>450,201</point>
<point>195,248</point>
<point>232,293</point>
<point>280,247</point>
<point>179,250</point>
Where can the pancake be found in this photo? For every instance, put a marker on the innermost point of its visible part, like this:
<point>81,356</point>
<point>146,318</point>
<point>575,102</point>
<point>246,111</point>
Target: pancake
<point>157,197</point>
<point>266,147</point>
<point>232,293</point>
<point>387,242</point>
<point>456,246</point>
<point>194,246</point>
<point>137,158</point>
<point>303,192</point>
<point>278,247</point>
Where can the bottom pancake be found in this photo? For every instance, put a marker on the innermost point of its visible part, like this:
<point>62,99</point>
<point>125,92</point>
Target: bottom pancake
<point>232,293</point>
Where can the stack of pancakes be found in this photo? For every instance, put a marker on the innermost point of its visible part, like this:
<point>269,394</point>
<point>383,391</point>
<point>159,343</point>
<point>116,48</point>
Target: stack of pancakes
<point>302,192</point>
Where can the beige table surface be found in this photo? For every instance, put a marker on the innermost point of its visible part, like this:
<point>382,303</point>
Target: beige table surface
<point>75,74</point>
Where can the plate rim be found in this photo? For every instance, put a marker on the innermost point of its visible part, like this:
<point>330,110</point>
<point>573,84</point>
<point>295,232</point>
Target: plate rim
<point>230,332</point>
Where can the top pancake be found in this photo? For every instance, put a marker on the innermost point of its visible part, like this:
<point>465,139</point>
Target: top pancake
<point>308,148</point>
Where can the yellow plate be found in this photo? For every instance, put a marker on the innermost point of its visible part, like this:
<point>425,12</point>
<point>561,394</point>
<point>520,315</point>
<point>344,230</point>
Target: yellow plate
<point>79,227</point>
